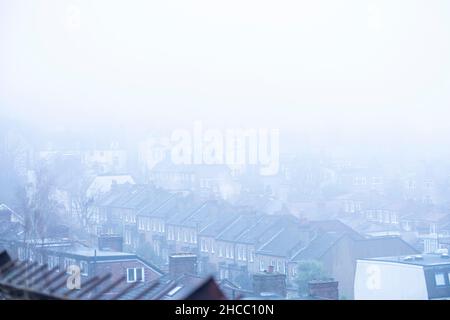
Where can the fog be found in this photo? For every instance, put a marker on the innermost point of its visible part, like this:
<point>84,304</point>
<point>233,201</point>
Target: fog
<point>354,68</point>
<point>196,140</point>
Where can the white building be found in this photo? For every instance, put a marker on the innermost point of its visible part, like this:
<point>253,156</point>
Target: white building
<point>420,277</point>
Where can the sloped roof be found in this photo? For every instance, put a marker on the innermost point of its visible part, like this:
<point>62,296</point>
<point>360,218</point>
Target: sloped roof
<point>334,225</point>
<point>215,228</point>
<point>318,246</point>
<point>103,183</point>
<point>239,226</point>
<point>284,241</point>
<point>134,197</point>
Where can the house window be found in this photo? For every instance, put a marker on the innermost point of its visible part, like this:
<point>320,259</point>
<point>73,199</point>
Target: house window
<point>239,253</point>
<point>394,219</point>
<point>67,263</point>
<point>212,247</point>
<point>22,255</point>
<point>148,225</point>
<point>186,235</point>
<point>135,274</point>
<point>84,268</point>
<point>140,274</point>
<point>252,256</point>
<point>52,262</point>
<point>203,246</point>
<point>154,225</point>
<point>178,235</point>
<point>131,275</point>
<point>127,238</point>
<point>40,259</point>
<point>220,251</point>
<point>141,224</point>
<point>278,266</point>
<point>440,279</point>
<point>261,265</point>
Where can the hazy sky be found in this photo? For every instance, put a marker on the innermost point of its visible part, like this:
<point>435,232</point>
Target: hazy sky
<point>348,66</point>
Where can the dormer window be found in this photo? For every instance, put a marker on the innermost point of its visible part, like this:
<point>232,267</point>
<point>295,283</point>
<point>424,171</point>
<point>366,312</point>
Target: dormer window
<point>439,279</point>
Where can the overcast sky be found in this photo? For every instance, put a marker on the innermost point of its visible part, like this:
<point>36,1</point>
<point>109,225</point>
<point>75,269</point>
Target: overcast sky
<point>326,66</point>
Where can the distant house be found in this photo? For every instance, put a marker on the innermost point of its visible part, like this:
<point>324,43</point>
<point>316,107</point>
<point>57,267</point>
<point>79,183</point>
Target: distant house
<point>362,178</point>
<point>205,180</point>
<point>253,243</point>
<point>338,252</point>
<point>209,253</point>
<point>117,211</point>
<point>105,160</point>
<point>151,223</point>
<point>222,250</point>
<point>184,227</point>
<point>60,254</point>
<point>93,262</point>
<point>43,284</point>
<point>7,215</point>
<point>236,245</point>
<point>411,277</point>
<point>103,183</point>
<point>277,251</point>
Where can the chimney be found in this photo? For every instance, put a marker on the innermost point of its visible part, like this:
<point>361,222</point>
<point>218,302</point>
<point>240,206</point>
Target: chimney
<point>324,289</point>
<point>110,243</point>
<point>182,263</point>
<point>269,282</point>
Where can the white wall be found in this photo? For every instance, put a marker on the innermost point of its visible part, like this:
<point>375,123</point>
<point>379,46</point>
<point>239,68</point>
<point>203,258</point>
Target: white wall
<point>377,280</point>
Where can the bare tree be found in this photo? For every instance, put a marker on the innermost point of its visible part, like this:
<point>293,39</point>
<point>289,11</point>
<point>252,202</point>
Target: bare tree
<point>34,202</point>
<point>82,207</point>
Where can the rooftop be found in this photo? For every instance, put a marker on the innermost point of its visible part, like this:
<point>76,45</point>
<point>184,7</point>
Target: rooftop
<point>101,254</point>
<point>430,259</point>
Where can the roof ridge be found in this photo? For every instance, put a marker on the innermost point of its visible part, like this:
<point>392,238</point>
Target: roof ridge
<point>160,206</point>
<point>271,239</point>
<point>195,211</point>
<point>251,227</point>
<point>248,229</point>
<point>230,225</point>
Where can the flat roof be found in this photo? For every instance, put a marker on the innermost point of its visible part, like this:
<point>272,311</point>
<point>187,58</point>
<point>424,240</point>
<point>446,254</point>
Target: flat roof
<point>91,253</point>
<point>429,259</point>
<point>99,253</point>
<point>185,255</point>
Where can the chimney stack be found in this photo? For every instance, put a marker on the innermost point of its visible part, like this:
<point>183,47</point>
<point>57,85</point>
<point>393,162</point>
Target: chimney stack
<point>110,243</point>
<point>270,282</point>
<point>182,263</point>
<point>324,289</point>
